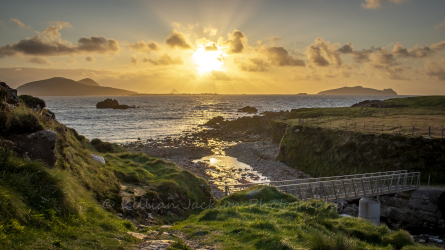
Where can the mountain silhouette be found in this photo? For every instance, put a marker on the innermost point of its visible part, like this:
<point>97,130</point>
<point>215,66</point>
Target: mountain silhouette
<point>88,81</point>
<point>358,90</point>
<point>59,86</point>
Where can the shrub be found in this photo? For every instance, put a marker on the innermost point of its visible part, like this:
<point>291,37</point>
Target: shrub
<point>105,147</point>
<point>318,241</point>
<point>32,102</point>
<point>23,123</point>
<point>399,239</point>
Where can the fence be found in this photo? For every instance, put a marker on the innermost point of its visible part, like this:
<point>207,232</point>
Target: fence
<point>376,127</point>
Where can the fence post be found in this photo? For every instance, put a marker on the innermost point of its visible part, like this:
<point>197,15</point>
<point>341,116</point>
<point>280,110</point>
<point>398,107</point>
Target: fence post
<point>429,131</point>
<point>413,130</point>
<point>226,189</point>
<point>442,131</point>
<point>400,130</point>
<point>382,127</point>
<point>364,127</point>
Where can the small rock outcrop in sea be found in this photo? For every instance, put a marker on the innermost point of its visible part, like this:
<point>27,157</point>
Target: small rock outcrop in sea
<point>38,146</point>
<point>248,109</point>
<point>112,104</point>
<point>10,94</point>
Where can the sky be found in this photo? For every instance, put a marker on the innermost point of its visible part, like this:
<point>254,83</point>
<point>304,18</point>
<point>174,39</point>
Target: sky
<point>227,47</point>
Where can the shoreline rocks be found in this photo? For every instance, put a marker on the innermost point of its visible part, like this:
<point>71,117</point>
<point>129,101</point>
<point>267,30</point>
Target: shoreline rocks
<point>248,109</point>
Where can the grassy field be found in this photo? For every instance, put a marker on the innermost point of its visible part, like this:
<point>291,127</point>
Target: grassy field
<point>423,116</point>
<point>263,218</point>
<point>62,207</point>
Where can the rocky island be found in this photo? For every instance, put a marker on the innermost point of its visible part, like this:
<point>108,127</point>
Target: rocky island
<point>358,90</point>
<point>59,86</point>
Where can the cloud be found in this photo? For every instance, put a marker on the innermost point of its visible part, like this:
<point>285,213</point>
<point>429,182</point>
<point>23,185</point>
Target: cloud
<point>48,43</point>
<point>254,65</point>
<point>90,59</point>
<point>322,53</point>
<point>435,70</point>
<point>177,25</point>
<point>314,55</point>
<point>375,4</point>
<point>165,59</point>
<point>209,30</point>
<point>98,44</point>
<point>145,47</point>
<point>52,32</point>
<point>134,60</point>
<point>235,42</point>
<point>39,60</point>
<point>348,48</point>
<point>211,47</point>
<point>273,40</point>
<point>219,76</point>
<point>440,25</point>
<point>416,52</point>
<point>389,57</point>
<point>177,40</point>
<point>280,56</point>
<point>438,46</point>
<point>2,24</point>
<point>19,24</point>
<point>383,57</point>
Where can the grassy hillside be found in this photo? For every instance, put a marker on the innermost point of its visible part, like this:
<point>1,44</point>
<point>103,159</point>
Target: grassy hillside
<point>328,152</point>
<point>418,101</point>
<point>62,207</point>
<point>263,218</point>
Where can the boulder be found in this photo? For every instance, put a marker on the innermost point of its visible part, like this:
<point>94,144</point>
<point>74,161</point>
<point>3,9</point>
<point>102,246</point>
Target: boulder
<point>9,94</point>
<point>38,146</point>
<point>98,158</point>
<point>248,109</point>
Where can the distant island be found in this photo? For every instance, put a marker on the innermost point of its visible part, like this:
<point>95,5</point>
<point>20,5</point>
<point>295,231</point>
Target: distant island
<point>358,90</point>
<point>174,91</point>
<point>59,86</point>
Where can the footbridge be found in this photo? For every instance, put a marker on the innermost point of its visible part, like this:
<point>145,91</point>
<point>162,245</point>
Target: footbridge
<point>336,188</point>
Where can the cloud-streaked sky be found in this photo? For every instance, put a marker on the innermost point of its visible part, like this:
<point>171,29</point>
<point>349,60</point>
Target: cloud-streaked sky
<point>228,47</point>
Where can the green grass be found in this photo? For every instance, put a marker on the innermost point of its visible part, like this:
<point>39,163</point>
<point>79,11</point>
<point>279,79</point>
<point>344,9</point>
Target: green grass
<point>340,141</point>
<point>419,101</point>
<point>263,218</point>
<point>62,207</point>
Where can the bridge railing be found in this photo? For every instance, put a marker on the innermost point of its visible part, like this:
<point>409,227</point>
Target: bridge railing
<point>340,187</point>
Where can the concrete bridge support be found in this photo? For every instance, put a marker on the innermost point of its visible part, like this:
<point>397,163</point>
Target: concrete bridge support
<point>369,209</point>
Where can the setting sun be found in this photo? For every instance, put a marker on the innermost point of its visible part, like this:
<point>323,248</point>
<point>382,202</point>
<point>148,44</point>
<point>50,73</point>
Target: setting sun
<point>208,60</point>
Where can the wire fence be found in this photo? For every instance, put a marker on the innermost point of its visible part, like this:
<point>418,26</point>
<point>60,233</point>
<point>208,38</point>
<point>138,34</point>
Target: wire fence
<point>377,127</point>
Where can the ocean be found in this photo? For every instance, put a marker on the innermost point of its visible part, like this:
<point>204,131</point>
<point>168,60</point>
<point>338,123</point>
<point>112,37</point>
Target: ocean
<point>170,115</point>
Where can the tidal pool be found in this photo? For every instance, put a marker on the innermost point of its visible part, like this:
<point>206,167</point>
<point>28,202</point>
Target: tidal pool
<point>228,171</point>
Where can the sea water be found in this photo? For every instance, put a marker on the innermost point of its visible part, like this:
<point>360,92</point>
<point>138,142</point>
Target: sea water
<point>170,115</point>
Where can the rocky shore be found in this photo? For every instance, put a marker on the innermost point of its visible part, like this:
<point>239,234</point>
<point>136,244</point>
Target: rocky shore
<point>250,144</point>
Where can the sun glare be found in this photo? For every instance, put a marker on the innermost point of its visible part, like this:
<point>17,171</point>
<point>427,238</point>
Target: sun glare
<point>208,60</point>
